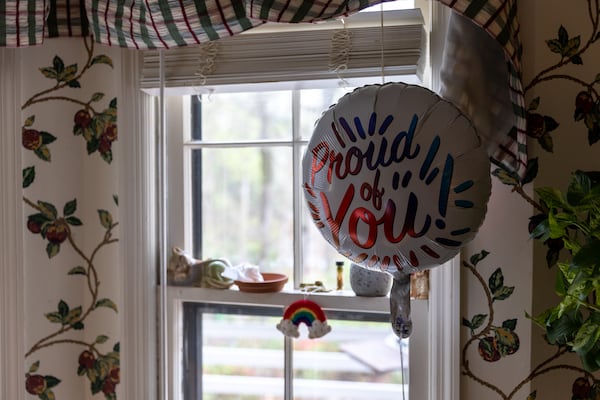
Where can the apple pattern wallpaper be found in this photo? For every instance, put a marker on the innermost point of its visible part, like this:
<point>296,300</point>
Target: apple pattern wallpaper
<point>69,136</point>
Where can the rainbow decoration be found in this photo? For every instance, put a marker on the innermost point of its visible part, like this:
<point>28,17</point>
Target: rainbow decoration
<point>307,312</point>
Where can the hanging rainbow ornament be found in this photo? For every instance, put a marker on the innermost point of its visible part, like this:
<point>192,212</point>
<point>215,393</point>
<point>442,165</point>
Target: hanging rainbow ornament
<point>304,312</point>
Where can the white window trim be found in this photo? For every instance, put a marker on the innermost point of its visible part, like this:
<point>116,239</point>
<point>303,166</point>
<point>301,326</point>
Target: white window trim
<point>139,240</point>
<point>12,285</point>
<point>444,289</point>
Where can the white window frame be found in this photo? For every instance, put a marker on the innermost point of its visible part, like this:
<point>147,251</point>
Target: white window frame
<point>147,302</point>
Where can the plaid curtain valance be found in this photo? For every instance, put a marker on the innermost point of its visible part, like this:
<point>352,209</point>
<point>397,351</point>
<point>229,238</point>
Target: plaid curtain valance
<point>165,24</point>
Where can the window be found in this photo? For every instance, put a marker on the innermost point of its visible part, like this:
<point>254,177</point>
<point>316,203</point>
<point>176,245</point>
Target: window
<point>241,154</point>
<point>200,156</point>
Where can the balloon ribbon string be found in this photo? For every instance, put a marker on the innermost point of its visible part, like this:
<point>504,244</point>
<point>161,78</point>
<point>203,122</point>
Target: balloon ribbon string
<point>382,47</point>
<point>402,369</point>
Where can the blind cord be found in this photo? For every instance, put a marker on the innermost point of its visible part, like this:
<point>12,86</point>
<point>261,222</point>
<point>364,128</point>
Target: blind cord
<point>339,55</point>
<point>206,60</point>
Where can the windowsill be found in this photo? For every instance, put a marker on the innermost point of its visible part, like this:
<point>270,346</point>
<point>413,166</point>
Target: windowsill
<point>334,300</point>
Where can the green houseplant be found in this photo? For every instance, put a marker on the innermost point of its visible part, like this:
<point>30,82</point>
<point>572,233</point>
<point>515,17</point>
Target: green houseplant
<point>570,228</point>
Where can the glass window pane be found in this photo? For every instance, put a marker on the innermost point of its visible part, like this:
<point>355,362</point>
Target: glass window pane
<point>235,352</point>
<point>356,360</point>
<point>246,202</point>
<point>247,116</point>
<point>313,103</point>
<point>243,357</point>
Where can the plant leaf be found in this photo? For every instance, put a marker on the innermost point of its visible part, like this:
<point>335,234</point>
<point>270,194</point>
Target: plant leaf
<point>587,335</point>
<point>563,329</point>
<point>552,257</point>
<point>552,197</point>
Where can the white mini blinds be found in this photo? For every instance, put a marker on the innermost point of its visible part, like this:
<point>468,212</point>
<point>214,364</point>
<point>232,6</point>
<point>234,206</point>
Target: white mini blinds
<point>297,52</point>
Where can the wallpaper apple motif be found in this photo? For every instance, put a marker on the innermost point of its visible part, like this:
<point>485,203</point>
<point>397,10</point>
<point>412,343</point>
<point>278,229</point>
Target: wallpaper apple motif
<point>58,225</point>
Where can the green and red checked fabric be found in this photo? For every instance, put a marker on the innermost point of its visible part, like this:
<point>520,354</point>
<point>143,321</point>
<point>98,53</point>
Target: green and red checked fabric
<point>22,22</point>
<point>149,24</point>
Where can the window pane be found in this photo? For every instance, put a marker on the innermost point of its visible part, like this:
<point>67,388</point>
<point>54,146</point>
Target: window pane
<point>313,103</point>
<point>356,360</point>
<point>246,202</point>
<point>247,116</point>
<point>243,358</point>
<point>235,352</point>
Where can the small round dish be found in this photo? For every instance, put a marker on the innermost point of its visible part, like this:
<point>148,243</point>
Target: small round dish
<point>272,282</point>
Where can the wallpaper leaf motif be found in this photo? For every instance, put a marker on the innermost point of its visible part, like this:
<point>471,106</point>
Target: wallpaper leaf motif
<point>58,226</point>
<point>494,343</point>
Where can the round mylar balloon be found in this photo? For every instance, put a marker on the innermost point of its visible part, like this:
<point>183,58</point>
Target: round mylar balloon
<point>396,178</point>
